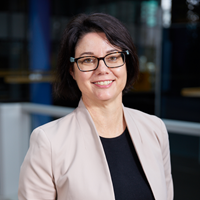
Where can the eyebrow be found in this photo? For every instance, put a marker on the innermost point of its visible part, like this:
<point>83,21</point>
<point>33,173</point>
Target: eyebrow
<point>86,53</point>
<point>91,53</point>
<point>113,50</point>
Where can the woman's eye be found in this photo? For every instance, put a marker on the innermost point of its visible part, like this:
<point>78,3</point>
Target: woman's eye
<point>113,58</point>
<point>88,60</point>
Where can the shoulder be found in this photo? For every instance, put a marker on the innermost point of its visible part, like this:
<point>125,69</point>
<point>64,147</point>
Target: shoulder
<point>55,130</point>
<point>56,124</point>
<point>142,116</point>
<point>150,127</point>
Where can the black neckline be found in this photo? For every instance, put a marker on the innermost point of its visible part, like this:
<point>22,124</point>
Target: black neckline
<point>117,137</point>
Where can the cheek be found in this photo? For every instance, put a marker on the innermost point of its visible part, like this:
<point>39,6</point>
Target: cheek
<point>121,73</point>
<point>82,78</point>
<point>123,77</point>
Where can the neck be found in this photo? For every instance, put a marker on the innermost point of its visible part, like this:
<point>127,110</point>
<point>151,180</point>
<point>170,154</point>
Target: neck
<point>108,117</point>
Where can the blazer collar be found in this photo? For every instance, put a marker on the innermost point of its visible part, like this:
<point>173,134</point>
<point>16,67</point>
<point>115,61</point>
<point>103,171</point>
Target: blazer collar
<point>95,151</point>
<point>93,144</point>
<point>143,154</point>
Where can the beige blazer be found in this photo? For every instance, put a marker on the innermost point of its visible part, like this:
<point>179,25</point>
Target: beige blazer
<point>66,160</point>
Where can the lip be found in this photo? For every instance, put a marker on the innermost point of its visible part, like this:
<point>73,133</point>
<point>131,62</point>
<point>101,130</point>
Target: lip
<point>103,83</point>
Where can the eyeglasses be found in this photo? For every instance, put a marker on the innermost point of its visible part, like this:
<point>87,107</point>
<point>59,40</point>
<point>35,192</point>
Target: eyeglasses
<point>90,63</point>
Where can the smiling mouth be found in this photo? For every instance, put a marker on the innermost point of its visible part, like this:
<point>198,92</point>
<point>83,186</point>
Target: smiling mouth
<point>103,82</point>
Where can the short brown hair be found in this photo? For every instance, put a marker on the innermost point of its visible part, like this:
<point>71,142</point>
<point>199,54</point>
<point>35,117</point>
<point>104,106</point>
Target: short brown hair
<point>80,25</point>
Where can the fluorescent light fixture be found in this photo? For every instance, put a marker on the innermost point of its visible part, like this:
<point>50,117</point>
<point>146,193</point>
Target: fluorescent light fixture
<point>166,4</point>
<point>166,12</point>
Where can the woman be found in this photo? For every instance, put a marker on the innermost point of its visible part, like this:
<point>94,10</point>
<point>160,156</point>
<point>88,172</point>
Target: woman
<point>102,150</point>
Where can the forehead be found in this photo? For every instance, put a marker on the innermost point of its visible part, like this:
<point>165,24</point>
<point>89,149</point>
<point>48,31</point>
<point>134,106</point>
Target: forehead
<point>93,41</point>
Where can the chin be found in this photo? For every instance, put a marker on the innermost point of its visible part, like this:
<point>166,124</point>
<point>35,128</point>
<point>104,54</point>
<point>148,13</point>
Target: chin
<point>103,99</point>
<point>106,98</point>
<point>109,95</point>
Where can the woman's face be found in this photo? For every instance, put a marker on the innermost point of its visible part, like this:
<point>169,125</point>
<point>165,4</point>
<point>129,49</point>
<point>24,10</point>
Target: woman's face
<point>102,84</point>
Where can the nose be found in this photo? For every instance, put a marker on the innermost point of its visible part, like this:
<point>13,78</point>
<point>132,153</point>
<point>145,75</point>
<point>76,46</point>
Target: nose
<point>102,68</point>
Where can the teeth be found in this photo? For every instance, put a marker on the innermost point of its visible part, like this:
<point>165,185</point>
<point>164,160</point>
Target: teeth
<point>103,82</point>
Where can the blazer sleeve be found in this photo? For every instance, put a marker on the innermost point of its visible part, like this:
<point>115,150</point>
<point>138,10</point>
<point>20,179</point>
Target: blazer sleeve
<point>167,162</point>
<point>36,177</point>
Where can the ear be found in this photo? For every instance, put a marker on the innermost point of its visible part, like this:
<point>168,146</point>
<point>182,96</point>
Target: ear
<point>71,71</point>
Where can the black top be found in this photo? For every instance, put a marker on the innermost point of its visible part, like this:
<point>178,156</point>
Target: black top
<point>128,178</point>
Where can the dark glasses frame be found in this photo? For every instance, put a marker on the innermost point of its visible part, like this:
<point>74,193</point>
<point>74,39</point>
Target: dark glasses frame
<point>72,60</point>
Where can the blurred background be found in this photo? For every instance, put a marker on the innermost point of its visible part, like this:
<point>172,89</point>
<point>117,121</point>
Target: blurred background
<point>166,34</point>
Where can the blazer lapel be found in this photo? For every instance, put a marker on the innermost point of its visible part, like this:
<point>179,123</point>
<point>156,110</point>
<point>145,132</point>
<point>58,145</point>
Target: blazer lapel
<point>143,155</point>
<point>97,163</point>
<point>95,156</point>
